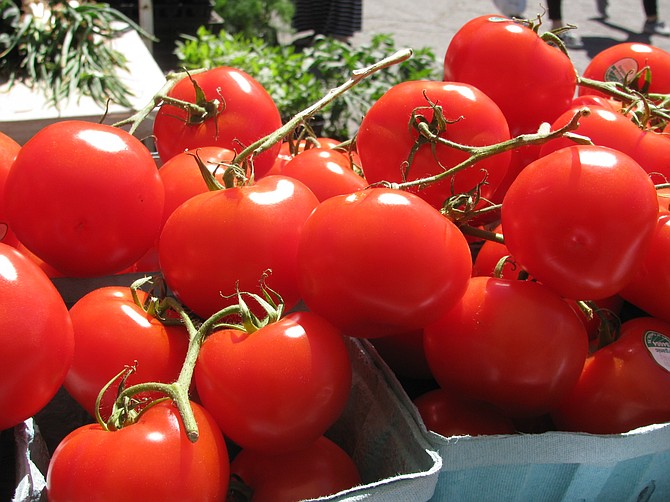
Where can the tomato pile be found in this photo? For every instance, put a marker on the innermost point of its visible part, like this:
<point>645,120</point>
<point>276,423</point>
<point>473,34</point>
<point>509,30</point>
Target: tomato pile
<point>502,236</point>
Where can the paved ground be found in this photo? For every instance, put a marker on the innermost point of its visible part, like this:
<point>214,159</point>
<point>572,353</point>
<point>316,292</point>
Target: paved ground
<point>432,23</point>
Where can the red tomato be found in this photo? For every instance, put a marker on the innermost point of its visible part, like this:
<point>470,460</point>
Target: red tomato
<point>321,468</point>
<point>279,388</point>
<point>96,199</point>
<point>285,153</point>
<point>624,385</point>
<point>245,114</point>
<point>604,316</point>
<point>404,354</point>
<point>488,257</point>
<point>531,81</point>
<point>609,128</point>
<point>36,338</point>
<point>218,240</point>
<point>112,332</point>
<point>649,288</point>
<point>380,262</point>
<point>448,415</point>
<point>513,344</point>
<point>386,138</point>
<point>623,60</point>
<point>663,195</point>
<point>580,219</point>
<point>325,171</point>
<point>152,459</point>
<point>8,151</point>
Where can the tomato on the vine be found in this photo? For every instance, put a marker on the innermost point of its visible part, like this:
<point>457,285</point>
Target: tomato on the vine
<point>244,113</point>
<point>224,240</point>
<point>531,81</point>
<point>96,199</point>
<point>8,151</point>
<point>624,385</point>
<point>36,337</point>
<point>112,332</point>
<point>580,219</point>
<point>319,469</point>
<point>380,262</point>
<point>393,149</point>
<point>152,459</point>
<point>279,388</point>
<point>514,344</point>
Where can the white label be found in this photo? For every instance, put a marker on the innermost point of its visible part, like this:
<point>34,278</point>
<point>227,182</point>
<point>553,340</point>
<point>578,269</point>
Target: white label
<point>658,346</point>
<point>623,69</point>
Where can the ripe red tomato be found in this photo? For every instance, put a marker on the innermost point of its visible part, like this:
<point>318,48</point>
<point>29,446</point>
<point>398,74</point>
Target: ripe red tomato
<point>649,288</point>
<point>151,459</point>
<point>36,338</point>
<point>623,60</point>
<point>285,153</point>
<point>321,468</point>
<point>112,332</point>
<point>580,219</point>
<point>325,171</point>
<point>96,199</point>
<point>279,388</point>
<point>245,114</point>
<point>221,239</point>
<point>386,138</point>
<point>448,415</point>
<point>8,151</point>
<point>380,262</point>
<point>624,385</point>
<point>513,344</point>
<point>531,81</point>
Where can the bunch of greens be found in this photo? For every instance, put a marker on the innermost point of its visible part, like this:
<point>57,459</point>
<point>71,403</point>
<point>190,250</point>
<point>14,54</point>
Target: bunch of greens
<point>255,18</point>
<point>63,48</point>
<point>297,78</point>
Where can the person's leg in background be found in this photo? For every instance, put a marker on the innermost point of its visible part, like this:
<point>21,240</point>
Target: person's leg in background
<point>555,12</point>
<point>652,24</point>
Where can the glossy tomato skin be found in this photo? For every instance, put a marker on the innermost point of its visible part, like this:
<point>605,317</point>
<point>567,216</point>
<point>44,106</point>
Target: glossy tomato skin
<point>448,415</point>
<point>624,385</point>
<point>36,336</point>
<point>152,459</point>
<point>246,113</point>
<point>8,151</point>
<point>649,288</point>
<point>513,344</point>
<point>623,60</point>
<point>112,332</point>
<point>319,469</point>
<point>279,388</point>
<point>218,238</point>
<point>96,198</point>
<point>580,220</point>
<point>325,171</point>
<point>380,262</point>
<point>385,138</point>
<point>531,81</point>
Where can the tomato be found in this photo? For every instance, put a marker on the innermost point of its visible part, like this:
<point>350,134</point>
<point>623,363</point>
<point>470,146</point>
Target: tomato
<point>624,385</point>
<point>152,459</point>
<point>531,81</point>
<point>96,199</point>
<point>222,239</point>
<point>279,388</point>
<point>245,113</point>
<point>649,288</point>
<point>325,171</point>
<point>580,219</point>
<point>404,354</point>
<point>387,137</point>
<point>448,415</point>
<point>8,151</point>
<point>513,344</point>
<point>321,468</point>
<point>623,60</point>
<point>606,127</point>
<point>285,153</point>
<point>112,332</point>
<point>36,337</point>
<point>380,262</point>
<point>663,195</point>
<point>488,257</point>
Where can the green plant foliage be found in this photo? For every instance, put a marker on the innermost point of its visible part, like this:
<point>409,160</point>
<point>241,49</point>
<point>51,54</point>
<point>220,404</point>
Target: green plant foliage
<point>63,47</point>
<point>297,79</point>
<point>254,18</point>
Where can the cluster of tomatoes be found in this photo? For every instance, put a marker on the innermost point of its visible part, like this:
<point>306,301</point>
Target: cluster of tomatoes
<point>472,246</point>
